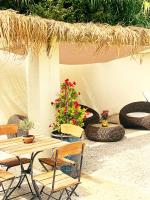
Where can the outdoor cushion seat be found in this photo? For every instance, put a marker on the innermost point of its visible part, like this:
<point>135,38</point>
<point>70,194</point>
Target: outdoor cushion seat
<point>13,162</point>
<point>136,115</point>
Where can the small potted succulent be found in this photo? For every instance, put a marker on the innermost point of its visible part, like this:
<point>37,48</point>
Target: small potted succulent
<point>25,125</point>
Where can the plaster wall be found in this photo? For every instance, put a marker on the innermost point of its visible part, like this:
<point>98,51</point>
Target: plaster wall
<point>110,85</point>
<point>13,93</point>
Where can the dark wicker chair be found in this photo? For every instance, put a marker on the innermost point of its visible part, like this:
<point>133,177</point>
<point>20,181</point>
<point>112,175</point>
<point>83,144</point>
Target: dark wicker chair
<point>95,119</point>
<point>135,122</point>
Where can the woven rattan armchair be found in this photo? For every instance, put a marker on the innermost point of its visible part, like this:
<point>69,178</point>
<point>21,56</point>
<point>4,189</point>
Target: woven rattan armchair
<point>135,122</point>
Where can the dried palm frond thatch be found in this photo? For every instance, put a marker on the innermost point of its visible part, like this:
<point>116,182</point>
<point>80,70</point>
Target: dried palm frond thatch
<point>23,32</point>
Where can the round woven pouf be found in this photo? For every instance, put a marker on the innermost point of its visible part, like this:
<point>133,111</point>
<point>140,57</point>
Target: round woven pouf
<point>112,133</point>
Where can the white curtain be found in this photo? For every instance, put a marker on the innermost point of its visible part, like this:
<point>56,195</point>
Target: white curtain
<point>13,95</point>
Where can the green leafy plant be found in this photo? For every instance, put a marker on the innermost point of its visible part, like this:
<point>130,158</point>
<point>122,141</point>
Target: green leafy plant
<point>68,110</point>
<point>25,125</point>
<point>125,12</point>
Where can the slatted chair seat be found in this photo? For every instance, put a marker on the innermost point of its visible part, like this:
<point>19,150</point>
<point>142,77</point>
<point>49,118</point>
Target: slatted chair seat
<point>5,175</point>
<point>13,162</point>
<point>61,181</point>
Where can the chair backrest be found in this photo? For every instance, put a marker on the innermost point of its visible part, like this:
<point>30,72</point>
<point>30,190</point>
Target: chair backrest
<point>8,129</point>
<point>73,148</point>
<point>72,130</point>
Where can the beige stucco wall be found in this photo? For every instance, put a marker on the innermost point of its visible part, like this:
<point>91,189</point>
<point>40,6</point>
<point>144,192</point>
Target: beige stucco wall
<point>110,85</point>
<point>13,95</point>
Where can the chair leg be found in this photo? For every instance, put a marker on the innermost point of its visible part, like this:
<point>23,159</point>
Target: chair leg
<point>67,193</point>
<point>74,192</point>
<point>61,194</point>
<point>3,187</point>
<point>43,165</point>
<point>6,195</point>
<point>42,189</point>
<point>50,196</point>
<point>73,189</point>
<point>36,190</point>
<point>28,184</point>
<point>21,181</point>
<point>7,168</point>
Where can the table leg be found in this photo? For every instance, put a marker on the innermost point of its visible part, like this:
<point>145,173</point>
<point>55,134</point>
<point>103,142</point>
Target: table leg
<point>24,173</point>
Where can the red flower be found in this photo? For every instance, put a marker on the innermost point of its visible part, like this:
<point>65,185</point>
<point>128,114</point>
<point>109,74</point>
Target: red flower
<point>57,100</point>
<point>104,114</point>
<point>66,110</point>
<point>66,81</point>
<point>74,83</point>
<point>74,121</point>
<point>79,93</point>
<point>84,118</point>
<point>70,84</point>
<point>76,104</point>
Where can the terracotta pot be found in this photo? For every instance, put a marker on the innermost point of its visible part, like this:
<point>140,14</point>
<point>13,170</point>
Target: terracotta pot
<point>28,139</point>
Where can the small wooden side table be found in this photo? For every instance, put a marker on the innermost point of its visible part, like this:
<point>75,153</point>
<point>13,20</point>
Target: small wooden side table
<point>112,133</point>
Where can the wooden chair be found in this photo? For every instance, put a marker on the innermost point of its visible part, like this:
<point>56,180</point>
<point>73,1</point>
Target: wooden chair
<point>65,129</point>
<point>11,162</point>
<point>55,179</point>
<point>6,176</point>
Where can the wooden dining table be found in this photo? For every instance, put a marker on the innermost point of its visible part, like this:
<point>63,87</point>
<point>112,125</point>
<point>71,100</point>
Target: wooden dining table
<point>16,147</point>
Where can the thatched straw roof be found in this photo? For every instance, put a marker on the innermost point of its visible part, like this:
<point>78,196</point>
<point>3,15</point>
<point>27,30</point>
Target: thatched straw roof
<point>23,32</point>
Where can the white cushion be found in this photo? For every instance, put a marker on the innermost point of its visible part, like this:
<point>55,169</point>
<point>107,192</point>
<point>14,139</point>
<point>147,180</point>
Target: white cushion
<point>138,114</point>
<point>89,114</point>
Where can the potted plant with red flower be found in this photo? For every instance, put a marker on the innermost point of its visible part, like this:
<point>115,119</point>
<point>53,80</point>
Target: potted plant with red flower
<point>68,109</point>
<point>104,118</point>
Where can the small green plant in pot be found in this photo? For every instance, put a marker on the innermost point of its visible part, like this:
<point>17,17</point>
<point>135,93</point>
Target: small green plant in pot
<point>26,125</point>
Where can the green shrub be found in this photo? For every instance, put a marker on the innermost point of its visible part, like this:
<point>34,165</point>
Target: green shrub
<point>126,12</point>
<point>63,10</point>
